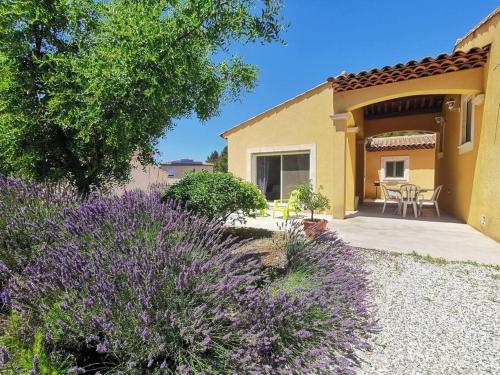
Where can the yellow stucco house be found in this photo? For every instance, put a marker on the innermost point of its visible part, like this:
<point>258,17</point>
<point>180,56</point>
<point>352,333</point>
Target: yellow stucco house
<point>328,134</point>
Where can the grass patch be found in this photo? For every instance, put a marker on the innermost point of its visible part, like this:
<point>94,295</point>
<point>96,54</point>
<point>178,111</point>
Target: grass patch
<point>293,283</point>
<point>429,259</point>
<point>441,261</point>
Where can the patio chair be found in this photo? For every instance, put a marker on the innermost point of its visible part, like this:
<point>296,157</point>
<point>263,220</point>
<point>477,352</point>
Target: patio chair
<point>286,205</point>
<point>409,194</point>
<point>433,201</point>
<point>390,197</point>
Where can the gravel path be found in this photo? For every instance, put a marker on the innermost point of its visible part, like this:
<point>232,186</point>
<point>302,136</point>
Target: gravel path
<point>435,318</point>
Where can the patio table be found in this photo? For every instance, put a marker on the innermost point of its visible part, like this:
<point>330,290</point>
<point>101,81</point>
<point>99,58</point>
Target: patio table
<point>398,192</point>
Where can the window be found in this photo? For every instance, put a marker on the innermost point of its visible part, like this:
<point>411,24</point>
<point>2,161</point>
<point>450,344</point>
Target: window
<point>467,125</point>
<point>395,168</point>
<point>277,175</point>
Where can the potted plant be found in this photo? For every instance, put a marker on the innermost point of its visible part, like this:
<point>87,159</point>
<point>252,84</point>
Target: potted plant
<point>312,201</point>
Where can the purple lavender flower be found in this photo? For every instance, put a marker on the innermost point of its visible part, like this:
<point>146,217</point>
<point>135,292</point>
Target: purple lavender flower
<point>36,366</point>
<point>4,356</point>
<point>152,286</point>
<point>102,347</point>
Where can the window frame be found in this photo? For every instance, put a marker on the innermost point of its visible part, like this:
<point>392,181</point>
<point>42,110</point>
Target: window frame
<point>464,144</point>
<point>403,158</point>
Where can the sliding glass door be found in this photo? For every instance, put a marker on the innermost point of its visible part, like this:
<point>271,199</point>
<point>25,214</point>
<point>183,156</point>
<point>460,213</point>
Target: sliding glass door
<point>294,171</point>
<point>277,175</point>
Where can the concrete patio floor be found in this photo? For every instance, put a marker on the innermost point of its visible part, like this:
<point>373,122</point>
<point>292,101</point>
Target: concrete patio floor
<point>443,237</point>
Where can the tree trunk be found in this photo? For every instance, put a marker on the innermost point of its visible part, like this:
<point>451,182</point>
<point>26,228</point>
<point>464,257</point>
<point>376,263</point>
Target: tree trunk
<point>83,187</point>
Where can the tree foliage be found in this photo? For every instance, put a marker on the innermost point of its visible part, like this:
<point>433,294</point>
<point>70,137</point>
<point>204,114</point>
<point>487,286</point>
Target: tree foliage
<point>217,195</point>
<point>85,85</point>
<point>219,160</point>
<point>311,200</point>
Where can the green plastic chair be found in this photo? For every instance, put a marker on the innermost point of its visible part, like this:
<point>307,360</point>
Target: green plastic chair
<point>292,204</point>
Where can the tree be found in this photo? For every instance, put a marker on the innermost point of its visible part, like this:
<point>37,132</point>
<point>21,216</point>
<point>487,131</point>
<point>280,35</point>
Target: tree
<point>86,85</point>
<point>219,160</point>
<point>310,200</point>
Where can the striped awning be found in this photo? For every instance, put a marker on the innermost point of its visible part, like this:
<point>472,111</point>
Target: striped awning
<point>405,142</point>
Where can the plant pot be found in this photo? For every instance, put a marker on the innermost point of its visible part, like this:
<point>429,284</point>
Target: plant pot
<point>314,227</point>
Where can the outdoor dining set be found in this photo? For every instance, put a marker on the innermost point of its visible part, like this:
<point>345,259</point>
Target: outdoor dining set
<point>410,195</point>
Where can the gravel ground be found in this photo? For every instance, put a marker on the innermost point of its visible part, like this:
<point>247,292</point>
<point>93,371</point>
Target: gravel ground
<point>435,318</point>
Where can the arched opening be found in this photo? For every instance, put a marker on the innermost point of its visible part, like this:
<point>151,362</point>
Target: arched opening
<point>418,139</point>
<point>398,144</point>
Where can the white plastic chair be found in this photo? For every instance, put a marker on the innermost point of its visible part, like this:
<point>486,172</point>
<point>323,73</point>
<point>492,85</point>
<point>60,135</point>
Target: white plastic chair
<point>391,197</point>
<point>433,201</point>
<point>409,194</point>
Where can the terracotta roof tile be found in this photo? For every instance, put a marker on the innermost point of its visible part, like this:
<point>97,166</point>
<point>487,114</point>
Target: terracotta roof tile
<point>429,66</point>
<point>406,142</point>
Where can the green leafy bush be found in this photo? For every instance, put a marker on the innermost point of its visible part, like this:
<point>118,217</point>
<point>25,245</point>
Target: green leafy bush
<point>217,195</point>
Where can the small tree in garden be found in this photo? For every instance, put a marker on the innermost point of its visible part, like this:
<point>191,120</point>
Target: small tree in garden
<point>310,200</point>
<point>217,195</point>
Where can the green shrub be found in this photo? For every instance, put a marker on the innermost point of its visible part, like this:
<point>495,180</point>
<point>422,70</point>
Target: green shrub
<point>217,195</point>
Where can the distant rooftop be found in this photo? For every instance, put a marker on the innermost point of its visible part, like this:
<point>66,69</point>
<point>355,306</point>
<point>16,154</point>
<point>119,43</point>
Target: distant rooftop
<point>185,162</point>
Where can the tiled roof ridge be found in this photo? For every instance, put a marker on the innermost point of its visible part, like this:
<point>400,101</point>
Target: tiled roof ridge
<point>428,66</point>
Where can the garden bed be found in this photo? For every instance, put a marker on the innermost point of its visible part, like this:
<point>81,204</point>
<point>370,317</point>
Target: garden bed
<point>131,284</point>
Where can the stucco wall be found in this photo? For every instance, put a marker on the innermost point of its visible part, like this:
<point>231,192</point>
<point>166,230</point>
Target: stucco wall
<point>143,178</point>
<point>304,120</point>
<point>181,170</point>
<point>455,170</point>
<point>421,170</point>
<point>484,206</point>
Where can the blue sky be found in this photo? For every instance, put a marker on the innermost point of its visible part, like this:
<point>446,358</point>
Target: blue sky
<point>325,38</point>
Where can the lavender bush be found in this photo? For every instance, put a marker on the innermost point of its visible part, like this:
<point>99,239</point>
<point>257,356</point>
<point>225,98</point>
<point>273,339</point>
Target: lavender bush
<point>133,285</point>
<point>28,213</point>
<point>25,210</point>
